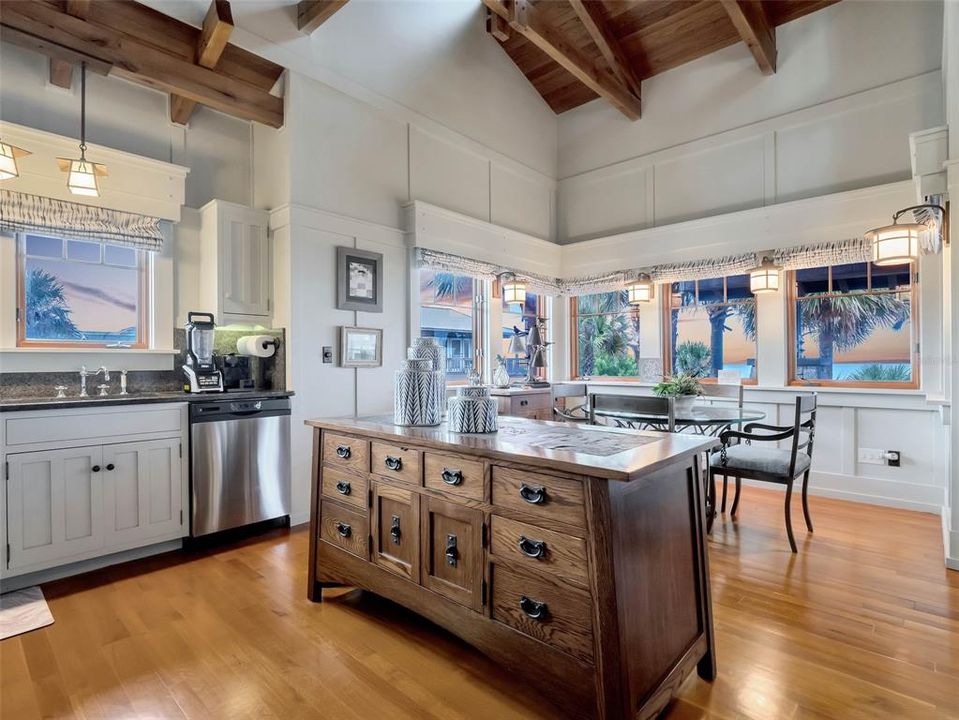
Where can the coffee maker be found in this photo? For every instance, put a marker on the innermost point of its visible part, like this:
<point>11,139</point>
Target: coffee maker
<point>200,369</point>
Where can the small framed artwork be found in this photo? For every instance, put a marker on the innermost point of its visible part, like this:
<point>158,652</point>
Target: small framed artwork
<point>361,347</point>
<point>359,280</point>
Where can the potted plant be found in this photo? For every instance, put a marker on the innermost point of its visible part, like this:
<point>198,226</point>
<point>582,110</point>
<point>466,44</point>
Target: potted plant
<point>683,388</point>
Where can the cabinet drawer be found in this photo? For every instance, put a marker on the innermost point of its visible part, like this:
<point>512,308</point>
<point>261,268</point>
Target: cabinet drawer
<point>547,611</point>
<point>346,528</point>
<point>544,496</point>
<point>455,475</point>
<point>347,452</point>
<point>530,546</point>
<point>523,404</point>
<point>345,487</point>
<point>397,463</point>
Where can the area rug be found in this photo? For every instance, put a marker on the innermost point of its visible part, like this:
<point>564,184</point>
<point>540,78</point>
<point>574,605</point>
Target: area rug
<point>22,611</point>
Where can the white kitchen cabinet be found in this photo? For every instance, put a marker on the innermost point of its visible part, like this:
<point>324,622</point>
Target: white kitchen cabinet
<point>54,505</point>
<point>141,490</point>
<point>235,263</point>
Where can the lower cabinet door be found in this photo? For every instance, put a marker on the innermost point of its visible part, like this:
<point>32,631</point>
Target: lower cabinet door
<point>54,505</point>
<point>452,549</point>
<point>396,530</point>
<point>142,491</point>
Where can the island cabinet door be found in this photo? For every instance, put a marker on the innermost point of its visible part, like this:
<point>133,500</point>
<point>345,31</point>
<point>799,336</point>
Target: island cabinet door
<point>396,530</point>
<point>452,539</point>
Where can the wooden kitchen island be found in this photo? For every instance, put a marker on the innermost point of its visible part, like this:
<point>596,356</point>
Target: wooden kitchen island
<point>573,555</point>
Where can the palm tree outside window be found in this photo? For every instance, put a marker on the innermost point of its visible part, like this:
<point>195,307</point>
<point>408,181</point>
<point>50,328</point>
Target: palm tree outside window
<point>711,326</point>
<point>853,325</point>
<point>449,311</point>
<point>607,335</point>
<point>78,293</point>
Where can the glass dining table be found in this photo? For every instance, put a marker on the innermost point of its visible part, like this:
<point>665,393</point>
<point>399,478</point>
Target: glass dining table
<point>703,419</point>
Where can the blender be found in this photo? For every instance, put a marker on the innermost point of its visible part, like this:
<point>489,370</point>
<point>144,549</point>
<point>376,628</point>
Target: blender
<point>200,370</point>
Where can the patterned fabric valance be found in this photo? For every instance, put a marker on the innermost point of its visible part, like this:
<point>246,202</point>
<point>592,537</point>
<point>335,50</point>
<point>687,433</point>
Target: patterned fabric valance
<point>841,252</point>
<point>484,270</point>
<point>702,269</point>
<point>20,212</point>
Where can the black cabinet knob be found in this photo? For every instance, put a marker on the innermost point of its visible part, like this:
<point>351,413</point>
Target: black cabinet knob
<point>533,494</point>
<point>343,452</point>
<point>393,463</point>
<point>452,477</point>
<point>95,468</point>
<point>343,488</point>
<point>395,529</point>
<point>343,529</point>
<point>111,466</point>
<point>452,554</point>
<point>533,609</point>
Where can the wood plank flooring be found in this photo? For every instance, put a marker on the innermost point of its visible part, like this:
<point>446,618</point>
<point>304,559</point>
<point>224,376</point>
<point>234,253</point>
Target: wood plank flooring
<point>862,623</point>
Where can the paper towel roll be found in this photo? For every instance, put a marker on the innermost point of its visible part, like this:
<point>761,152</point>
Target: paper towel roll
<point>256,345</point>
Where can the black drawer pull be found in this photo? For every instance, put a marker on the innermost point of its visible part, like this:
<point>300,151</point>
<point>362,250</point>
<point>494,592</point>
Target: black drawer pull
<point>452,477</point>
<point>532,494</point>
<point>111,466</point>
<point>95,468</point>
<point>343,529</point>
<point>343,452</point>
<point>532,548</point>
<point>452,554</point>
<point>343,488</point>
<point>533,609</point>
<point>393,463</point>
<point>523,403</point>
<point>395,529</point>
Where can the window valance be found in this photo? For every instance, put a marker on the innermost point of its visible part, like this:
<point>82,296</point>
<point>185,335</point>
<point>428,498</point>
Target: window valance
<point>840,252</point>
<point>20,212</point>
<point>483,270</point>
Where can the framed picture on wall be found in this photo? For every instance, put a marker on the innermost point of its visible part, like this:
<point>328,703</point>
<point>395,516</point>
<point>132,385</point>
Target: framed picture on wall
<point>359,280</point>
<point>361,347</point>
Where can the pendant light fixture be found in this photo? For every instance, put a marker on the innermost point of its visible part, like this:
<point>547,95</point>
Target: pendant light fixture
<point>8,160</point>
<point>765,278</point>
<point>514,290</point>
<point>83,176</point>
<point>640,290</point>
<point>898,244</point>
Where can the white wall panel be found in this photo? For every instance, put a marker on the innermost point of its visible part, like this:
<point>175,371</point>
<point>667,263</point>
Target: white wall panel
<point>719,180</point>
<point>606,201</point>
<point>448,175</point>
<point>522,201</point>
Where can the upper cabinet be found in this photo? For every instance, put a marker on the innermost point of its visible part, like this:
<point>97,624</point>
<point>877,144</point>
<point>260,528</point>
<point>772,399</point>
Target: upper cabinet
<point>235,263</point>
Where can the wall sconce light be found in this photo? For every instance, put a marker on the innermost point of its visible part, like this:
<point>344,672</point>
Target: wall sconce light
<point>898,244</point>
<point>83,176</point>
<point>8,160</point>
<point>640,290</point>
<point>514,290</point>
<point>765,278</point>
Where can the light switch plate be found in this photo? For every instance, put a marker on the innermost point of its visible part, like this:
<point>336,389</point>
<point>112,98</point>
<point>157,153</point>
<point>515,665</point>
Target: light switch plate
<point>872,456</point>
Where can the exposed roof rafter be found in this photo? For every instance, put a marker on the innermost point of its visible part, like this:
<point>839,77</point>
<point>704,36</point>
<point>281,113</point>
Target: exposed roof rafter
<point>214,37</point>
<point>593,17</point>
<point>750,21</point>
<point>310,14</point>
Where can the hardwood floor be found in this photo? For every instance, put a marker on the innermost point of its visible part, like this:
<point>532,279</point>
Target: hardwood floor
<point>862,623</point>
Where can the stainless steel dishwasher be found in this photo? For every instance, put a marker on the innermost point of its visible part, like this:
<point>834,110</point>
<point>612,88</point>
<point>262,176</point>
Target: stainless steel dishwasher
<point>239,462</point>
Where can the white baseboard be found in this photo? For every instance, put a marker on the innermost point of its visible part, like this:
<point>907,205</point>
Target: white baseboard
<point>950,540</point>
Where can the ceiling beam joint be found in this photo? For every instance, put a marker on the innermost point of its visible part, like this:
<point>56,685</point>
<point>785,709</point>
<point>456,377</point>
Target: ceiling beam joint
<point>214,37</point>
<point>751,22</point>
<point>593,17</point>
<point>310,14</point>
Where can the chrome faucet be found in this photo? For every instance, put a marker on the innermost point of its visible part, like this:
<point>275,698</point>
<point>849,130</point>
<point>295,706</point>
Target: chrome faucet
<point>84,374</point>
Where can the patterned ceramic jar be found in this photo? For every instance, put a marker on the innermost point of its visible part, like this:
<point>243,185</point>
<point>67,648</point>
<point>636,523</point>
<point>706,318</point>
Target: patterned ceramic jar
<point>427,348</point>
<point>472,410</point>
<point>416,394</point>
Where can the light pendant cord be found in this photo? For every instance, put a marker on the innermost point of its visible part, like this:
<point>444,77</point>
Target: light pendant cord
<point>83,110</point>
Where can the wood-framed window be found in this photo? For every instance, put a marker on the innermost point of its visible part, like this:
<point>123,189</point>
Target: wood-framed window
<point>710,325</point>
<point>79,293</point>
<point>604,336</point>
<point>451,310</point>
<point>854,325</point>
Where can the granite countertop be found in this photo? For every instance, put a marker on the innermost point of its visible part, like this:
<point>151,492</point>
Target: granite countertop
<point>146,398</point>
<point>597,451</point>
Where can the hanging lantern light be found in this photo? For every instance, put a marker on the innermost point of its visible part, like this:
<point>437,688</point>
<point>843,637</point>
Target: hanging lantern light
<point>8,160</point>
<point>898,244</point>
<point>514,290</point>
<point>765,278</point>
<point>83,176</point>
<point>640,291</point>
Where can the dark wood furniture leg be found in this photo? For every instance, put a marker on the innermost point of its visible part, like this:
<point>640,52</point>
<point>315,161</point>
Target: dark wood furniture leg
<point>739,485</point>
<point>789,521</point>
<point>725,484</point>
<point>805,501</point>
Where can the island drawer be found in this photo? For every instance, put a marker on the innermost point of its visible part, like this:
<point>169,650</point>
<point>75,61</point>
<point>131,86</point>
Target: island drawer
<point>346,487</point>
<point>545,610</point>
<point>346,452</point>
<point>544,496</point>
<point>346,528</point>
<point>455,475</point>
<point>397,463</point>
<point>533,547</point>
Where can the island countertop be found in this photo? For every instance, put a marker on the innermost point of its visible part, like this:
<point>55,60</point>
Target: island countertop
<point>602,452</point>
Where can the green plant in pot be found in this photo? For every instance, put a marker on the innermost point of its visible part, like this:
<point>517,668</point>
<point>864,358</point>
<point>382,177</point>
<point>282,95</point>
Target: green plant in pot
<point>683,388</point>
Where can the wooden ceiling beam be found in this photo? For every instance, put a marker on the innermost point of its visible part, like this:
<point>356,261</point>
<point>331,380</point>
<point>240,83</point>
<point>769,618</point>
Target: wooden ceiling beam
<point>79,8</point>
<point>61,73</point>
<point>214,37</point>
<point>593,17</point>
<point>525,19</point>
<point>750,20</point>
<point>59,34</point>
<point>310,14</point>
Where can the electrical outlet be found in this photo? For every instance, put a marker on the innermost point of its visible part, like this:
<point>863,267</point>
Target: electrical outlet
<point>872,456</point>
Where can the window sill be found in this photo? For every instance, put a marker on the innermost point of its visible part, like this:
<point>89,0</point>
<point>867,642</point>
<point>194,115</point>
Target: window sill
<point>90,351</point>
<point>767,388</point>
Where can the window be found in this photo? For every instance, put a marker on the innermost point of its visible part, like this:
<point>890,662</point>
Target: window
<point>76,292</point>
<point>853,325</point>
<point>607,331</point>
<point>521,317</point>
<point>449,313</point>
<point>711,326</point>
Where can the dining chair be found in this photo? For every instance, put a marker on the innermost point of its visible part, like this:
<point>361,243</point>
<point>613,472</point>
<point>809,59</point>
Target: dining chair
<point>776,465</point>
<point>641,405</point>
<point>562,411</point>
<point>722,393</point>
